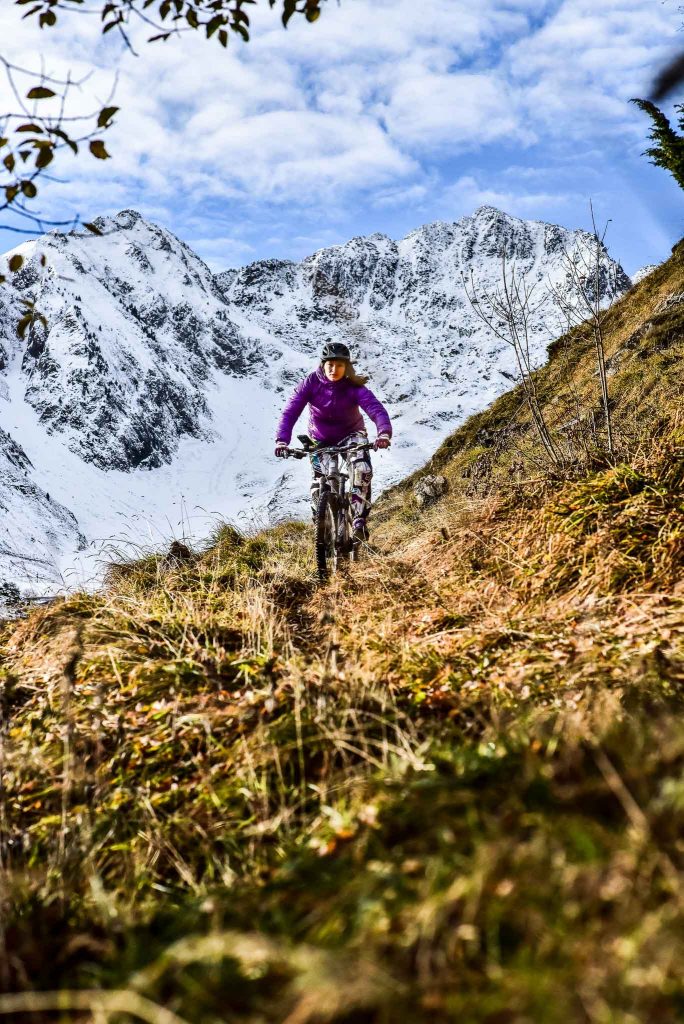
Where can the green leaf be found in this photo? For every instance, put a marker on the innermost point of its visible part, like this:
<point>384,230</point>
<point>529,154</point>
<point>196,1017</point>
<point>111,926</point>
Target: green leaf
<point>223,37</point>
<point>29,189</point>
<point>16,262</point>
<point>40,92</point>
<point>106,115</point>
<point>3,142</point>
<point>2,278</point>
<point>11,193</point>
<point>92,228</point>
<point>9,162</point>
<point>313,14</point>
<point>29,128</point>
<point>97,148</point>
<point>48,18</point>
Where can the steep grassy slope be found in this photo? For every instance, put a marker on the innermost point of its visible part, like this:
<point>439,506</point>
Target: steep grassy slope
<point>449,785</point>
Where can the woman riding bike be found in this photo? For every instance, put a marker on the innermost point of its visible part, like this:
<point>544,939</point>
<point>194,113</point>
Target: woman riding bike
<point>336,395</point>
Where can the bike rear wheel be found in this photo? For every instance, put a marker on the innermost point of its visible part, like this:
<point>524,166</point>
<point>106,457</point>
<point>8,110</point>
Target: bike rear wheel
<point>326,535</point>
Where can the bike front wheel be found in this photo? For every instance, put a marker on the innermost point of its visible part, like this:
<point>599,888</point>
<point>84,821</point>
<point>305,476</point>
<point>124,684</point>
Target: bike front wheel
<point>326,535</point>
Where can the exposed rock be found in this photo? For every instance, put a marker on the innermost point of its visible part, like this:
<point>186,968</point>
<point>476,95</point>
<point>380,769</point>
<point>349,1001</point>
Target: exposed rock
<point>675,299</point>
<point>430,489</point>
<point>10,595</point>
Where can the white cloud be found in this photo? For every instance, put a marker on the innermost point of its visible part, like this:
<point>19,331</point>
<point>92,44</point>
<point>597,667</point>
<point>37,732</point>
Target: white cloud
<point>577,72</point>
<point>371,108</point>
<point>453,110</point>
<point>378,31</point>
<point>411,195</point>
<point>467,193</point>
<point>283,153</point>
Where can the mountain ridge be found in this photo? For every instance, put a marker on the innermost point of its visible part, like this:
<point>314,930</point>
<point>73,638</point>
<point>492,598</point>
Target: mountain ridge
<point>152,364</point>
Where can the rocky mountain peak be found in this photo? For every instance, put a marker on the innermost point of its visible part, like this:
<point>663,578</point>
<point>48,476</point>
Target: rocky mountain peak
<point>155,371</point>
<point>493,213</point>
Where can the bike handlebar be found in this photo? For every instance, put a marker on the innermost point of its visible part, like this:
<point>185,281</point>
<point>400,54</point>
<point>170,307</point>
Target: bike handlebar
<point>302,453</point>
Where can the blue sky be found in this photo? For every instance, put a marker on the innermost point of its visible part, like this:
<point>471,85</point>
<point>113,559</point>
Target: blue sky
<point>375,120</point>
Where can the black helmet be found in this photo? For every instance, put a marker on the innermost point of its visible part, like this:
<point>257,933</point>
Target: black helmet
<point>335,350</point>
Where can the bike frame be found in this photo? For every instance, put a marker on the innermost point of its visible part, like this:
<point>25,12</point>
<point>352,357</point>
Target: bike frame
<point>333,480</point>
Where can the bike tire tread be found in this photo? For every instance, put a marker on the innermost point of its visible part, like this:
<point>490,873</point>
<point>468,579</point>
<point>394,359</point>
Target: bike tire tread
<point>323,556</point>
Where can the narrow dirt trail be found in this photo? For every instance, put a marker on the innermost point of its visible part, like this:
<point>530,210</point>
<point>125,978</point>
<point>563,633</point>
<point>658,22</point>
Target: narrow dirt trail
<point>364,614</point>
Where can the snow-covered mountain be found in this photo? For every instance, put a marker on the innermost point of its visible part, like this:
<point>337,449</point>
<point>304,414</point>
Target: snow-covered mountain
<point>35,527</point>
<point>643,272</point>
<point>147,405</point>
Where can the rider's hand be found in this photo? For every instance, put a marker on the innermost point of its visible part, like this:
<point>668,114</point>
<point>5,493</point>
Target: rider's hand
<point>281,450</point>
<point>381,441</point>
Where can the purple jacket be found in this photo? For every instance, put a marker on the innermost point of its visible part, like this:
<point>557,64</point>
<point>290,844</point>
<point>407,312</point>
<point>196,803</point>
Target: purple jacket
<point>334,409</point>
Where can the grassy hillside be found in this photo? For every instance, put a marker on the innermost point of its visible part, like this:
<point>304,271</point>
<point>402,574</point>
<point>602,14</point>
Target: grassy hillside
<point>448,785</point>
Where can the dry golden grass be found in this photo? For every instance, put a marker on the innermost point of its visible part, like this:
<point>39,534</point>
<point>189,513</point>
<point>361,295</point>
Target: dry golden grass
<point>446,785</point>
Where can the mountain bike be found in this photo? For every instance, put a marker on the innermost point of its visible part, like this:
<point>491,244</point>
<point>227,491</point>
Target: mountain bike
<point>334,519</point>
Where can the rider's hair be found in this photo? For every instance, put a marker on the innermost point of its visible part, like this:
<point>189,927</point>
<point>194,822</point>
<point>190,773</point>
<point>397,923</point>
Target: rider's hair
<point>351,374</point>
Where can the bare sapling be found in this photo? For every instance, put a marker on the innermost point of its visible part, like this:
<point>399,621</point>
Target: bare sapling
<point>590,278</point>
<point>43,122</point>
<point>509,311</point>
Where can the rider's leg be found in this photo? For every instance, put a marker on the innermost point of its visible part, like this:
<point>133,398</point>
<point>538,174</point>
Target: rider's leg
<point>360,471</point>
<point>361,474</point>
